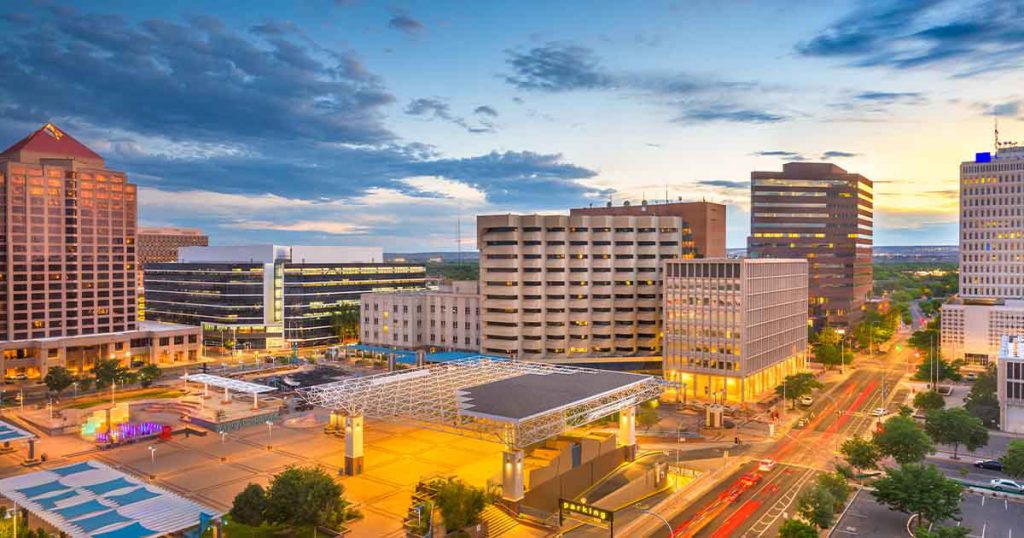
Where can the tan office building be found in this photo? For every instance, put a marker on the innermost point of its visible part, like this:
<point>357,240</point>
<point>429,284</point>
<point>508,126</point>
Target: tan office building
<point>445,319</point>
<point>734,328</point>
<point>558,287</point>
<point>703,222</point>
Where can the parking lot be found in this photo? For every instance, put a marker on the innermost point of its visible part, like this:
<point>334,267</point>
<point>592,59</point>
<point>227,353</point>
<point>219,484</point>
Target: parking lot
<point>986,516</point>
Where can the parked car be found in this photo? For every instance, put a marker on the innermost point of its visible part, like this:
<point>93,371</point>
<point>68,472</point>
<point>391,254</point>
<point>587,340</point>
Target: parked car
<point>971,376</point>
<point>1002,484</point>
<point>879,411</point>
<point>802,422</point>
<point>993,465</point>
<point>806,400</point>
<point>766,465</point>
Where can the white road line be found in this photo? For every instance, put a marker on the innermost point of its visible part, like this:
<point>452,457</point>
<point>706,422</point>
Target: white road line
<point>1006,504</point>
<point>983,497</point>
<point>984,526</point>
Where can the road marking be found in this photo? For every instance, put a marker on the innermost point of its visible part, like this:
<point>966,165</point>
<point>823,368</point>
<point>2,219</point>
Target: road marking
<point>984,526</point>
<point>761,526</point>
<point>1006,504</point>
<point>983,497</point>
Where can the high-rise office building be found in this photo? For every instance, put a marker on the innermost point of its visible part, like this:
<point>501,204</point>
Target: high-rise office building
<point>271,296</point>
<point>160,245</point>
<point>67,253</point>
<point>1010,384</point>
<point>573,287</point>
<point>990,303</point>
<point>703,222</point>
<point>823,213</point>
<point>734,328</point>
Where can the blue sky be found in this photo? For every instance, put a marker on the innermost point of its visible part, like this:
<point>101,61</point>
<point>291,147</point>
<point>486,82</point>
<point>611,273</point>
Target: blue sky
<point>358,122</point>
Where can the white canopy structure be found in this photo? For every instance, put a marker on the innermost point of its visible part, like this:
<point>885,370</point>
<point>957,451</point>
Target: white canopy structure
<point>10,432</point>
<point>92,500</point>
<point>229,384</point>
<point>516,403</point>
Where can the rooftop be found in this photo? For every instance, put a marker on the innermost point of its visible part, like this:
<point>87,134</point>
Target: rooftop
<point>90,499</point>
<point>52,142</point>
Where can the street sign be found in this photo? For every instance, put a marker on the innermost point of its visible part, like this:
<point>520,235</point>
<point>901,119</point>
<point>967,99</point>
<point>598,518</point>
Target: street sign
<point>585,513</point>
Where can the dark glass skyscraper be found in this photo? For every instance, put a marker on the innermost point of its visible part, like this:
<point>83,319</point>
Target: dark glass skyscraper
<point>823,213</point>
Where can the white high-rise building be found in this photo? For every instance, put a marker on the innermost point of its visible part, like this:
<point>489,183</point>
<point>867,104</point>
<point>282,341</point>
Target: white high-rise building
<point>991,300</point>
<point>1010,384</point>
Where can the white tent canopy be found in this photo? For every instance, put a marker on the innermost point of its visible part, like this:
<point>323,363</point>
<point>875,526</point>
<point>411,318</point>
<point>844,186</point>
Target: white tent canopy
<point>92,500</point>
<point>235,385</point>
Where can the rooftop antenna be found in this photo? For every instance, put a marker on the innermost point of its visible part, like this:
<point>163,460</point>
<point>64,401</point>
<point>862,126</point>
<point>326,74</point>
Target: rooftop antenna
<point>995,128</point>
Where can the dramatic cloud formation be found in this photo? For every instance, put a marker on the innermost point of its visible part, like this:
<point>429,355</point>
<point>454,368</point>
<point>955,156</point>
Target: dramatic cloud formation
<point>910,34</point>
<point>195,107</point>
<point>566,67</point>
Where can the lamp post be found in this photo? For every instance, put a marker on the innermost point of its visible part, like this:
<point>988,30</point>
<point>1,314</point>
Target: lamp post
<point>643,510</point>
<point>75,385</point>
<point>842,349</point>
<point>152,459</point>
<point>270,431</point>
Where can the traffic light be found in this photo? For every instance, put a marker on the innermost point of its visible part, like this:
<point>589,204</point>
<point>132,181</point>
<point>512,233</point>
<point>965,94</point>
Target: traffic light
<point>899,348</point>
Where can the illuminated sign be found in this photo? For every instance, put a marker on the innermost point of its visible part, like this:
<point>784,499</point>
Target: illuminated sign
<point>53,131</point>
<point>586,513</point>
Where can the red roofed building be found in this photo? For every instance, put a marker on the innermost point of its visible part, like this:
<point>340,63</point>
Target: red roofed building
<point>67,257</point>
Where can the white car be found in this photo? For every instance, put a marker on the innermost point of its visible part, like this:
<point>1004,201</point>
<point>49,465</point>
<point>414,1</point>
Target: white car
<point>806,400</point>
<point>766,465</point>
<point>879,412</point>
<point>1002,484</point>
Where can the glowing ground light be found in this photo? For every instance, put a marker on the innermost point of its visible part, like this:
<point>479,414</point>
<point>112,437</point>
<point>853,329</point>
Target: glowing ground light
<point>129,431</point>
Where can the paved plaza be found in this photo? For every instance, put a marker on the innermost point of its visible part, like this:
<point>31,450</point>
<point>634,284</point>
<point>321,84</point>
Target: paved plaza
<point>213,470</point>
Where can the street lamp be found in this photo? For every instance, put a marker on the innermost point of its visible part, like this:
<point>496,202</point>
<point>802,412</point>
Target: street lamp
<point>270,430</point>
<point>152,459</point>
<point>643,510</point>
<point>842,349</point>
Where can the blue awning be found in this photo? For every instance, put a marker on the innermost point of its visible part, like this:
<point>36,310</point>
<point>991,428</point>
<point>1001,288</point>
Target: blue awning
<point>110,485</point>
<point>132,497</point>
<point>135,530</point>
<point>46,487</point>
<point>77,510</point>
<point>73,469</point>
<point>105,519</point>
<point>49,502</point>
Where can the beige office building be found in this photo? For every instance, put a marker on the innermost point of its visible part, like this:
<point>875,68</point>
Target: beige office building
<point>445,319</point>
<point>734,328</point>
<point>558,287</point>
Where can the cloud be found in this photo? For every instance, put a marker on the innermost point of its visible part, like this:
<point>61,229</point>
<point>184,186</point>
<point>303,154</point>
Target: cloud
<point>913,34</point>
<point>404,23</point>
<point>232,129</point>
<point>833,154</point>
<point>1007,109</point>
<point>486,111</point>
<point>559,67</point>
<point>890,97</point>
<point>436,108</point>
<point>786,155</point>
<point>725,184</point>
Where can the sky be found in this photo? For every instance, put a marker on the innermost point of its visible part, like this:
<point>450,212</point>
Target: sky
<point>395,123</point>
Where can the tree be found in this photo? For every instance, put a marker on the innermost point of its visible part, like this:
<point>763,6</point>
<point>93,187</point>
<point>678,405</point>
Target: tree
<point>919,489</point>
<point>982,401</point>
<point>941,370</point>
<point>830,336</point>
<point>148,374</point>
<point>797,385</point>
<point>58,379</point>
<point>938,531</point>
<point>929,400</point>
<point>835,484</point>
<point>460,504</point>
<point>832,355</point>
<point>345,322</point>
<point>647,417</point>
<point>1013,460</point>
<point>250,505</point>
<point>904,440</point>
<point>860,453</point>
<point>301,496</point>
<point>85,384</point>
<point>106,372</point>
<point>817,506</point>
<point>794,528</point>
<point>955,427</point>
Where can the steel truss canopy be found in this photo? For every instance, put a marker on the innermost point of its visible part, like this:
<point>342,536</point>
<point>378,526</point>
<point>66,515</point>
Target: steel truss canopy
<point>91,499</point>
<point>516,403</point>
<point>228,383</point>
<point>10,432</point>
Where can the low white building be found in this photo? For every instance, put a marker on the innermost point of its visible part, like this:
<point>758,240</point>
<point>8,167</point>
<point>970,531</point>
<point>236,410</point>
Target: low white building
<point>1010,384</point>
<point>447,318</point>
<point>972,332</point>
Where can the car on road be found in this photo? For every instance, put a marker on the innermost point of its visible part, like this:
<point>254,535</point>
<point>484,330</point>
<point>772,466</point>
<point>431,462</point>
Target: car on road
<point>879,412</point>
<point>992,465</point>
<point>806,400</point>
<point>766,466</point>
<point>971,376</point>
<point>1002,484</point>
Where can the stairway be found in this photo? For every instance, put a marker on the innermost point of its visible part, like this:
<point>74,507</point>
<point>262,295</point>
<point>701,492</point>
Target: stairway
<point>496,521</point>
